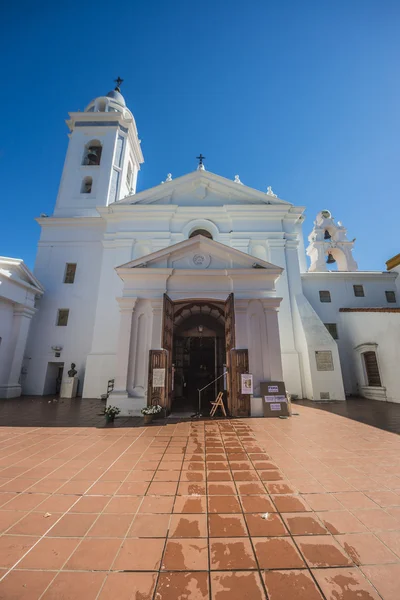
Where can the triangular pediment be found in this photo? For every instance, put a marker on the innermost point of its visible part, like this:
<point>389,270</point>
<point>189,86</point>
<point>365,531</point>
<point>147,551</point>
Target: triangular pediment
<point>201,188</point>
<point>16,270</point>
<point>200,253</point>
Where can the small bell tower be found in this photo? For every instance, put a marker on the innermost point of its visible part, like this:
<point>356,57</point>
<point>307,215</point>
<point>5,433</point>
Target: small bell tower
<point>329,245</point>
<point>103,157</point>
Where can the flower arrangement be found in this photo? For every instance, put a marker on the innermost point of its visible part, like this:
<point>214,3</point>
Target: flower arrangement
<point>112,411</point>
<point>151,410</point>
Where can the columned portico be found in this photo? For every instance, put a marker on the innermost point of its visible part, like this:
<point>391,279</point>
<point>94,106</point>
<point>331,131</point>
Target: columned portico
<point>217,274</point>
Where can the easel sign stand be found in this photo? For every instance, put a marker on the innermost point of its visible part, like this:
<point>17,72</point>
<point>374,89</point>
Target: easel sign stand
<point>275,401</point>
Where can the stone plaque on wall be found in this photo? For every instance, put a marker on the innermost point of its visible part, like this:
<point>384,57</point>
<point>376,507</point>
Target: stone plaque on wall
<point>324,360</point>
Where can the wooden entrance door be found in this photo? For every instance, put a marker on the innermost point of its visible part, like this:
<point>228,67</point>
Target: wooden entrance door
<point>167,343</point>
<point>240,403</point>
<point>229,310</point>
<point>157,395</point>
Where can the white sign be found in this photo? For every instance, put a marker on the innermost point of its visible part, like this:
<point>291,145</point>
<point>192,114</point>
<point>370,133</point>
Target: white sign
<point>272,389</point>
<point>247,383</point>
<point>158,378</point>
<point>275,406</point>
<point>275,399</point>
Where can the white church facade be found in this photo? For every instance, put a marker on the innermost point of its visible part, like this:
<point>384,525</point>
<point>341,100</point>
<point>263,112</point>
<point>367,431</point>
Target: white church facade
<point>164,290</point>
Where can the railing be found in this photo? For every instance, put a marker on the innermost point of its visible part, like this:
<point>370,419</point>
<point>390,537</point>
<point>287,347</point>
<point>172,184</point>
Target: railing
<point>198,414</point>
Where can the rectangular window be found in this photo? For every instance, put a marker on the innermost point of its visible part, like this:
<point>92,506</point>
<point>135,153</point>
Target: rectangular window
<point>324,296</point>
<point>62,317</point>
<point>70,270</point>
<point>358,291</point>
<point>390,296</point>
<point>332,328</point>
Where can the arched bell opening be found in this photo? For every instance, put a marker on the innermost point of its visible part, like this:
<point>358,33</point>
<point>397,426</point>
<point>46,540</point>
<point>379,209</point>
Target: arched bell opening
<point>336,259</point>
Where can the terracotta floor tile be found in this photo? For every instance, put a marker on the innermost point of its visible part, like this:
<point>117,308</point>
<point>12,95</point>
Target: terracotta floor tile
<point>241,466</point>
<point>35,523</point>
<point>344,584</point>
<point>137,475</point>
<point>304,524</point>
<point>75,586</point>
<point>293,584</point>
<point>270,475</point>
<point>216,457</point>
<point>257,504</point>
<point>57,503</point>
<point>9,517</point>
<point>25,502</point>
<point>190,504</point>
<point>240,585</point>
<point>259,526</point>
<point>322,551</point>
<point>322,502</point>
<point>128,586</point>
<point>192,476</point>
<point>150,526</point>
<point>188,526</point>
<point>166,476</point>
<point>109,525</point>
<point>277,553</point>
<point>187,585</point>
<point>139,554</point>
<point>223,504</point>
<point>250,488</point>
<point>133,488</point>
<point>49,554</point>
<point>106,488</point>
<point>377,519</point>
<point>279,487</point>
<point>385,578</point>
<point>290,504</point>
<point>123,504</point>
<point>218,466</point>
<point>231,553</point>
<point>91,504</point>
<point>238,456</point>
<point>352,500</point>
<point>162,488</point>
<point>185,555</point>
<point>245,476</point>
<point>221,489</point>
<point>73,525</point>
<point>366,549</point>
<point>25,585</point>
<point>191,489</point>
<point>12,548</point>
<point>6,497</point>
<point>95,554</point>
<point>74,487</point>
<point>391,539</point>
<point>341,521</point>
<point>227,525</point>
<point>384,498</point>
<point>219,476</point>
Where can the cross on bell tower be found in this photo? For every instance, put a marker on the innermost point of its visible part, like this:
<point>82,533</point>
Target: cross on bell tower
<point>118,81</point>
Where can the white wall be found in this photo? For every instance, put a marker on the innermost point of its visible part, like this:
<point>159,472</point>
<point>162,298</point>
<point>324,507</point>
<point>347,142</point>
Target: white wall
<point>383,329</point>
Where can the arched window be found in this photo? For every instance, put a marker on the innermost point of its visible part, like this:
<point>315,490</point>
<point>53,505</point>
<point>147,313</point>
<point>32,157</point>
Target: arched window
<point>92,154</point>
<point>86,186</point>
<point>202,232</point>
<point>372,369</point>
<point>129,176</point>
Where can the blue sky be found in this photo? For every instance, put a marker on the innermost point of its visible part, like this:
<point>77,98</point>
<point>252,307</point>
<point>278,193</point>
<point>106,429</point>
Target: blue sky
<point>303,96</point>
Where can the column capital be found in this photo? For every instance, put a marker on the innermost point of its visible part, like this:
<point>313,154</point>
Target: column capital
<point>126,304</point>
<point>241,304</point>
<point>271,304</point>
<point>156,304</point>
<point>25,311</point>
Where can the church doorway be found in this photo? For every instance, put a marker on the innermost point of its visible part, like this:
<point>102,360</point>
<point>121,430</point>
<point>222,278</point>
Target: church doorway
<point>198,357</point>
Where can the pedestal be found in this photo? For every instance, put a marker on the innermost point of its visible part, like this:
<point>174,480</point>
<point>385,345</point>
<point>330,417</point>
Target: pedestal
<point>69,387</point>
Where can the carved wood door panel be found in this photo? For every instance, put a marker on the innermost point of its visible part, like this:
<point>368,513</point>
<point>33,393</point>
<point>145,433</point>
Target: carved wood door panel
<point>240,404</point>
<point>167,342</point>
<point>157,395</point>
<point>229,310</point>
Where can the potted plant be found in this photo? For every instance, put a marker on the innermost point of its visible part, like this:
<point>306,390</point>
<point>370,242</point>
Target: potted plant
<point>111,412</point>
<point>149,412</point>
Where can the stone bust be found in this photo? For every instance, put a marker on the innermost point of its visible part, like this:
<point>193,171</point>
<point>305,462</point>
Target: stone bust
<point>72,372</point>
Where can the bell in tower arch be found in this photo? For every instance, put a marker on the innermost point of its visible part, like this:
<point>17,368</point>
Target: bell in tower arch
<point>327,235</point>
<point>330,260</point>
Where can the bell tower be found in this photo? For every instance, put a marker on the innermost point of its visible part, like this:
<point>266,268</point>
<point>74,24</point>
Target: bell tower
<point>103,157</point>
<point>329,245</point>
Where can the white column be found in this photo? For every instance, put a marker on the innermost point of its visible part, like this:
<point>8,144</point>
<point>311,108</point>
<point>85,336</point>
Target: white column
<point>273,368</point>
<point>156,307</point>
<point>126,308</point>
<point>21,324</point>
<point>241,324</point>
